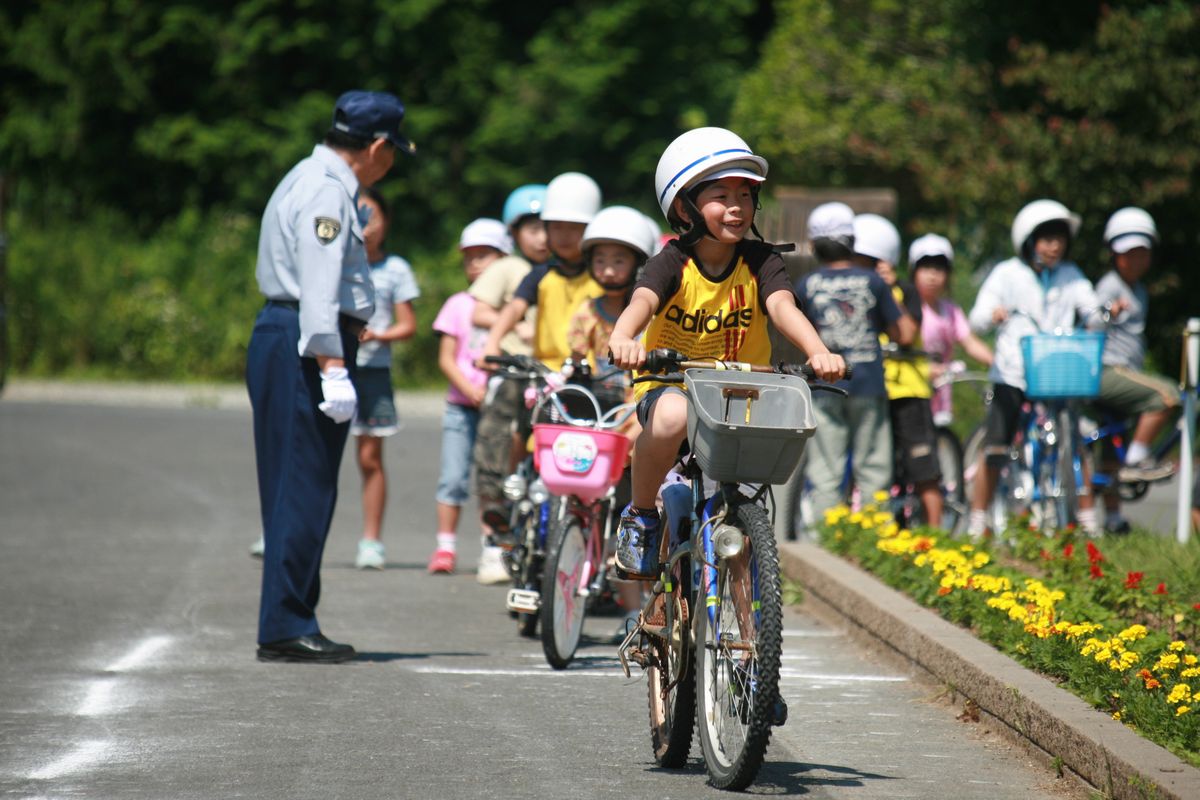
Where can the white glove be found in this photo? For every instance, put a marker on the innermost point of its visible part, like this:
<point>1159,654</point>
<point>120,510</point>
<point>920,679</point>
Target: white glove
<point>341,400</point>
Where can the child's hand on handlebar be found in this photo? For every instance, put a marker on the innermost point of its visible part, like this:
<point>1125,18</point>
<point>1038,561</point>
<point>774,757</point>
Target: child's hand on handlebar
<point>828,366</point>
<point>626,353</point>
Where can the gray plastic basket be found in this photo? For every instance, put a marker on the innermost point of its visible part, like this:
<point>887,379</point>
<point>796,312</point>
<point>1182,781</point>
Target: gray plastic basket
<point>748,427</point>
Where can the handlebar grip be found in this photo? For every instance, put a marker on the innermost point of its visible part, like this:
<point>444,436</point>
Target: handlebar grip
<point>663,360</point>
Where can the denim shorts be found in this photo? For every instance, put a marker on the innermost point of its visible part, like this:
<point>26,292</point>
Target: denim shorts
<point>376,406</point>
<point>646,404</point>
<point>459,425</point>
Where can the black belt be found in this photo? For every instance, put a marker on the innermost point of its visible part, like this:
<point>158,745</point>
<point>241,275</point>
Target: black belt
<point>353,325</point>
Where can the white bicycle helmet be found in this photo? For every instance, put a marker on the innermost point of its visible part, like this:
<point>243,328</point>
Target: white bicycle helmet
<point>1128,228</point>
<point>702,154</point>
<point>930,245</point>
<point>571,197</point>
<point>877,238</point>
<point>485,232</point>
<point>1039,212</point>
<point>619,225</point>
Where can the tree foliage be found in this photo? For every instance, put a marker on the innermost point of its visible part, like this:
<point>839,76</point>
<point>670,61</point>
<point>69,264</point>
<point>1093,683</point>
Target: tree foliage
<point>141,139</point>
<point>971,108</point>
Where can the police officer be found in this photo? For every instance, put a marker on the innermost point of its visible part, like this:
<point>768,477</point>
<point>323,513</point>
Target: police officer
<point>312,268</point>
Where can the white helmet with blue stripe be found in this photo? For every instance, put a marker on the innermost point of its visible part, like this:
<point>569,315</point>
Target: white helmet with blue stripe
<point>703,154</point>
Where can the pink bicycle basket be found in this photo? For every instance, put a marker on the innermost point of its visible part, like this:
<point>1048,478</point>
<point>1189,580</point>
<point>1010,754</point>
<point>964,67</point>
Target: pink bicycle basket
<point>579,461</point>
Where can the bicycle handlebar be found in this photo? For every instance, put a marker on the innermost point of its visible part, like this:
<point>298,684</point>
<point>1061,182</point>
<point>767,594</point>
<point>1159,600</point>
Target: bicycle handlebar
<point>674,363</point>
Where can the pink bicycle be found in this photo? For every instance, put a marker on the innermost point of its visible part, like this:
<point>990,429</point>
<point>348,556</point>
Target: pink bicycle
<point>582,461</point>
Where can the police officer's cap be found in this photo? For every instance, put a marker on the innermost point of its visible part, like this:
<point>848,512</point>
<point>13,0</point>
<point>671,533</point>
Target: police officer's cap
<point>372,115</point>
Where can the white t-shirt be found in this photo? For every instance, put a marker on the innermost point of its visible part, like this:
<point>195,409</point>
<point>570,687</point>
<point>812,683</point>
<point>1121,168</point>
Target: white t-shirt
<point>394,283</point>
<point>1055,299</point>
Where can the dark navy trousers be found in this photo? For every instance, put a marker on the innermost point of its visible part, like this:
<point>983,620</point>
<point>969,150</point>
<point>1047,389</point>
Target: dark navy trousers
<point>298,451</point>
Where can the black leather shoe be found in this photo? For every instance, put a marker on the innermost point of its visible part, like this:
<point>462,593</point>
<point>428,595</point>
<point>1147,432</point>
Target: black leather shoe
<point>315,649</point>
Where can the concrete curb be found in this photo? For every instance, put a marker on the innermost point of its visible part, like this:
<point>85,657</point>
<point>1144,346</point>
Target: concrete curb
<point>1102,751</point>
<point>411,404</point>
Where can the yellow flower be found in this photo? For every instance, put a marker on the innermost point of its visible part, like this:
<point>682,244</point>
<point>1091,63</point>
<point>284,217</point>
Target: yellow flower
<point>1180,693</point>
<point>1177,646</point>
<point>1167,661</point>
<point>1117,715</point>
<point>1179,712</point>
<point>1190,660</point>
<point>1133,633</point>
<point>1191,672</point>
<point>881,496</point>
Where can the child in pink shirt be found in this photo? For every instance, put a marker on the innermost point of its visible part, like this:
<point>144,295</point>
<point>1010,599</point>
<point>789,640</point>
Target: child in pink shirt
<point>943,324</point>
<point>461,345</point>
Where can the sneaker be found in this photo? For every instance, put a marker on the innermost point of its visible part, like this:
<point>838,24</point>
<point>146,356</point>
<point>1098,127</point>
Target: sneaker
<point>491,570</point>
<point>258,548</point>
<point>442,563</point>
<point>637,543</point>
<point>370,554</point>
<point>1118,528</point>
<point>1147,470</point>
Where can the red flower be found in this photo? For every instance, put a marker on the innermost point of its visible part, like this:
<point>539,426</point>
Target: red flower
<point>1196,607</point>
<point>1094,554</point>
<point>1045,554</point>
<point>1068,551</point>
<point>1160,589</point>
<point>1096,571</point>
<point>943,591</point>
<point>1134,580</point>
<point>922,545</point>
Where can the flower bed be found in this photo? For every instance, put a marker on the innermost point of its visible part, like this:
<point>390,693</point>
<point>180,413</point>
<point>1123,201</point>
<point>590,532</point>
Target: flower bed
<point>1121,642</point>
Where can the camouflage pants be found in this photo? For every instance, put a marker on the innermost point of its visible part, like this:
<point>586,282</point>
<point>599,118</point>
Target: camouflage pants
<point>493,439</point>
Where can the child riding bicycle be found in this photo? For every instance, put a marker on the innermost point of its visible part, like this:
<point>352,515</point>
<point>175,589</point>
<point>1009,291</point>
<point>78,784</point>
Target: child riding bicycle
<point>709,294</point>
<point>1036,290</point>
<point>1125,388</point>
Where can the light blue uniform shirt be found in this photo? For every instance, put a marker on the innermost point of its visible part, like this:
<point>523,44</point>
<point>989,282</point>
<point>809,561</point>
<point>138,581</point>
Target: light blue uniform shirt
<point>394,284</point>
<point>310,249</point>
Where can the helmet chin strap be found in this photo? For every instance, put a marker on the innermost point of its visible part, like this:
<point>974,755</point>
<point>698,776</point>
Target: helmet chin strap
<point>696,231</point>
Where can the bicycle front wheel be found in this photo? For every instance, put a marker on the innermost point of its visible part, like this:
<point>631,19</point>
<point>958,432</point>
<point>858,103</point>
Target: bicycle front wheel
<point>740,643</point>
<point>563,602</point>
<point>950,460</point>
<point>670,677</point>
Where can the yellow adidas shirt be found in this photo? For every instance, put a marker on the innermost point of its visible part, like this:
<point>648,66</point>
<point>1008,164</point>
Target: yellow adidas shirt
<point>722,317</point>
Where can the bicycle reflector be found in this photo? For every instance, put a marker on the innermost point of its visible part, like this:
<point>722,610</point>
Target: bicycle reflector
<point>514,487</point>
<point>538,493</point>
<point>728,541</point>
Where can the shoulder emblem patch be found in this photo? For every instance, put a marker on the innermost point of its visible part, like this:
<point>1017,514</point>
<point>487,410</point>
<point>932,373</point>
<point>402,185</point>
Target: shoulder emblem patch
<point>327,229</point>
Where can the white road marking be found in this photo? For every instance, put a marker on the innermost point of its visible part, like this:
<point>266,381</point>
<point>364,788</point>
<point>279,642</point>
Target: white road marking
<point>813,634</point>
<point>98,698</point>
<point>809,676</point>
<point>82,756</point>
<point>140,654</point>
<point>587,673</point>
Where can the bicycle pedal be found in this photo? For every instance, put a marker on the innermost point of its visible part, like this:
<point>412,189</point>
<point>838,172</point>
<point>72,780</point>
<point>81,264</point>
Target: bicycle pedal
<point>523,600</point>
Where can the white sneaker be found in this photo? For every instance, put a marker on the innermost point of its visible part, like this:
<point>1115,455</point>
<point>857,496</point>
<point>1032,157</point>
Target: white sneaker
<point>491,569</point>
<point>258,548</point>
<point>370,554</point>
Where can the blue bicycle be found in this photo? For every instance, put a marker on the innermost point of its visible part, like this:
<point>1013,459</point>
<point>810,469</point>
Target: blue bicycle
<point>712,630</point>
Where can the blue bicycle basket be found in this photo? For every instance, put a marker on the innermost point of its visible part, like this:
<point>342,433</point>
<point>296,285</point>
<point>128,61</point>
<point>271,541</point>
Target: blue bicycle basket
<point>1062,365</point>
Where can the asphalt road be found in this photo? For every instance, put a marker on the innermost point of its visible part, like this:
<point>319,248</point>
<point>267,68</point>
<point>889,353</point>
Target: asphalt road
<point>127,663</point>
